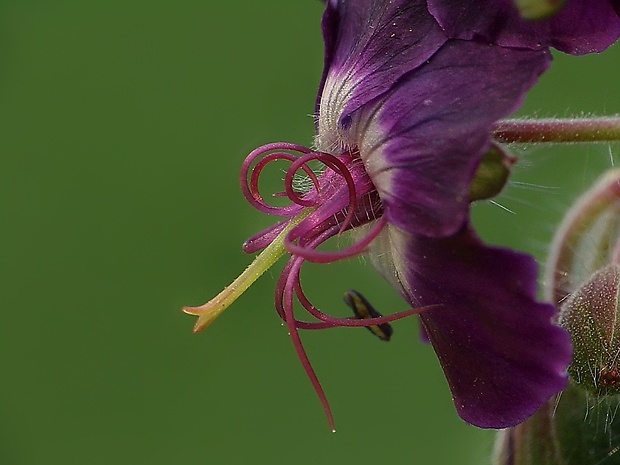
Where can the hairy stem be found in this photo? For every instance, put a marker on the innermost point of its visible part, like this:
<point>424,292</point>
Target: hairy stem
<point>558,130</point>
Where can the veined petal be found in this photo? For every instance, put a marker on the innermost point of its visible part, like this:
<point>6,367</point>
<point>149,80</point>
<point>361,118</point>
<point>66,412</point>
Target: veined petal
<point>369,45</point>
<point>422,141</point>
<point>501,353</point>
<point>582,26</point>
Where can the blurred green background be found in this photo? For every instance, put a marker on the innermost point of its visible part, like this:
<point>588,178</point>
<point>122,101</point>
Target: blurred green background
<point>122,128</point>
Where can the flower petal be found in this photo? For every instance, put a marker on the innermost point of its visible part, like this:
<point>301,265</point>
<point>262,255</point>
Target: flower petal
<point>501,354</point>
<point>369,45</point>
<point>583,26</point>
<point>422,141</point>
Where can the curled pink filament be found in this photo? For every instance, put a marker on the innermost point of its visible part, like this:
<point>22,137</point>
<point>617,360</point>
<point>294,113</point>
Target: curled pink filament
<point>341,197</point>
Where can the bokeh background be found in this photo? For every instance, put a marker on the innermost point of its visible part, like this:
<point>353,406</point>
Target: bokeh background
<point>122,128</point>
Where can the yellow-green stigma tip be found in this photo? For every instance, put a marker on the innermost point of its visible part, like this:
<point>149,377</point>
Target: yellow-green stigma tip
<point>205,316</point>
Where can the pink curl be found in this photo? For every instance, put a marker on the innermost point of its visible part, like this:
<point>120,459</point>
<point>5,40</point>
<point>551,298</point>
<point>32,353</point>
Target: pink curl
<point>335,165</point>
<point>312,255</point>
<point>249,181</point>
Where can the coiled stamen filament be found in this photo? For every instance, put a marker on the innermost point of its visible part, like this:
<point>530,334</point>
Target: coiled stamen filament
<point>341,198</point>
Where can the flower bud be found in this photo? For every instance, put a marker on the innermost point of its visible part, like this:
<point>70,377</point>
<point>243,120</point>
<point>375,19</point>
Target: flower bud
<point>586,240</point>
<point>539,9</point>
<point>583,278</point>
<point>591,317</point>
<point>492,174</point>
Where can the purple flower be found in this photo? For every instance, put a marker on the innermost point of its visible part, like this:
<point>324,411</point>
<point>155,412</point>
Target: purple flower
<point>404,117</point>
<point>580,27</point>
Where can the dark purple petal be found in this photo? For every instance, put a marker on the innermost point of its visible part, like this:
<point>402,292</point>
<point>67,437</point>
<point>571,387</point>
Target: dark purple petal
<point>501,354</point>
<point>583,26</point>
<point>422,141</point>
<point>369,45</point>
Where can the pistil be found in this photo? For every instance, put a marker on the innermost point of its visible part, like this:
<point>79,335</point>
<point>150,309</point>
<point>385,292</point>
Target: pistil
<point>208,312</point>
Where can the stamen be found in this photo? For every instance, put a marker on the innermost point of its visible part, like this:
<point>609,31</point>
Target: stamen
<point>341,198</point>
<point>209,311</point>
<point>337,166</point>
<point>303,356</point>
<point>289,181</point>
<point>262,239</point>
<point>267,154</point>
<point>364,310</point>
<point>288,282</point>
<point>335,322</point>
<point>317,256</point>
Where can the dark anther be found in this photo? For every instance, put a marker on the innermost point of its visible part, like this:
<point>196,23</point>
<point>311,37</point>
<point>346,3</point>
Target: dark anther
<point>363,310</point>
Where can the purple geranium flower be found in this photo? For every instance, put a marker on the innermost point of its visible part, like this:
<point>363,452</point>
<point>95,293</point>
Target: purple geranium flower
<point>404,118</point>
<point>581,26</point>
